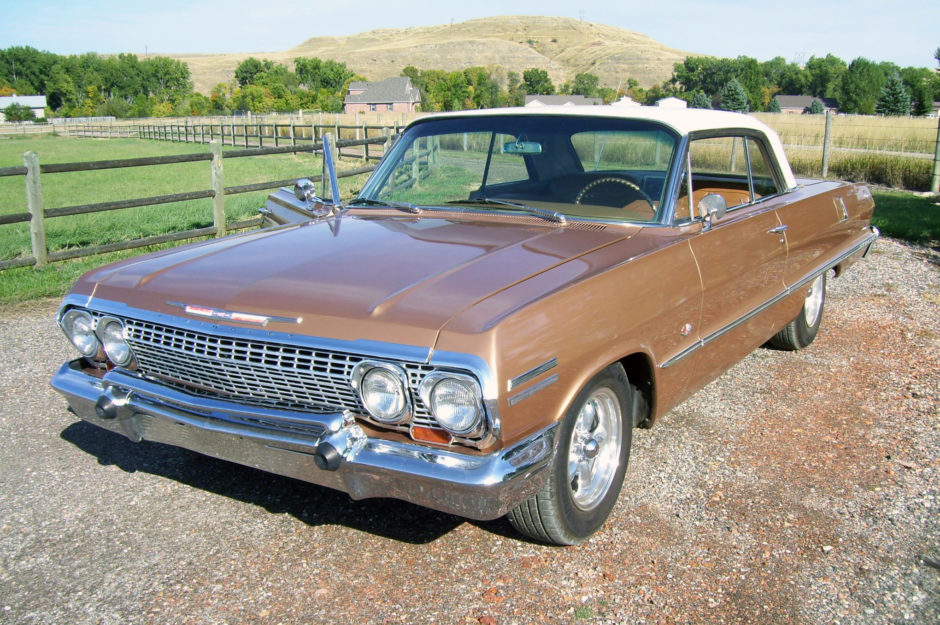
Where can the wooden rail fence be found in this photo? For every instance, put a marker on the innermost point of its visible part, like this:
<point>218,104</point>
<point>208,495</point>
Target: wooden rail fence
<point>36,214</point>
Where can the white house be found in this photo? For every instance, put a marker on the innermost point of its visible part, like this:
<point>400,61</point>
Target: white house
<point>36,102</point>
<point>672,103</point>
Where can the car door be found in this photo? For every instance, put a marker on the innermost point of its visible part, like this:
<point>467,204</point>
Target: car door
<point>741,255</point>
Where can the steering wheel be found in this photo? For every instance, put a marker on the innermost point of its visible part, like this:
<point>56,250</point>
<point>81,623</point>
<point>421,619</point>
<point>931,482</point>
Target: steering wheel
<point>609,191</point>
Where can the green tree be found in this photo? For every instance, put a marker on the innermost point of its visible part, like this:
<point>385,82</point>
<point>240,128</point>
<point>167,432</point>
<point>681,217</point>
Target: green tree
<point>733,97</point>
<point>783,77</point>
<point>585,84</point>
<point>824,76</point>
<point>315,74</point>
<point>894,98</point>
<point>816,108</point>
<point>924,87</point>
<point>536,82</point>
<point>18,113</point>
<point>773,106</point>
<point>861,87</point>
<point>60,89</point>
<point>515,95</point>
<point>700,101</point>
<point>484,90</point>
<point>248,70</point>
<point>254,98</point>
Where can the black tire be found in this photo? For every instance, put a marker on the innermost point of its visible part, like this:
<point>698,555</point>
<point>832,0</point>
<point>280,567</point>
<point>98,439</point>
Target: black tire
<point>800,332</point>
<point>578,497</point>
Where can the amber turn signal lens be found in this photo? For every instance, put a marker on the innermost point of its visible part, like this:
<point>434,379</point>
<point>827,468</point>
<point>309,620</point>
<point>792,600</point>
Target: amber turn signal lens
<point>430,435</point>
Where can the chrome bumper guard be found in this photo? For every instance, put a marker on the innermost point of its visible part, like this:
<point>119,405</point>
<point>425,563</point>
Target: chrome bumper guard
<point>326,449</point>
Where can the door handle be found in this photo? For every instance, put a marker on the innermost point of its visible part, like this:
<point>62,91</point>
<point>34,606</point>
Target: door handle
<point>781,230</point>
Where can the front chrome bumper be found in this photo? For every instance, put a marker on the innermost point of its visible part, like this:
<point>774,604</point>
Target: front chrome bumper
<point>326,449</point>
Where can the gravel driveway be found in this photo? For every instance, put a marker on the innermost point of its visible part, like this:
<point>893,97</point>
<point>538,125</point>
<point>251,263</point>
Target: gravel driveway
<point>797,488</point>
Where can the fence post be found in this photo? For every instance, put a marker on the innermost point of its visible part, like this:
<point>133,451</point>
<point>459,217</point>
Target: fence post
<point>218,186</point>
<point>827,142</point>
<point>365,148</point>
<point>935,181</point>
<point>37,225</point>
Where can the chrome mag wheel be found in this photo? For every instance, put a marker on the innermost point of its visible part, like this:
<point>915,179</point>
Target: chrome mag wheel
<point>594,452</point>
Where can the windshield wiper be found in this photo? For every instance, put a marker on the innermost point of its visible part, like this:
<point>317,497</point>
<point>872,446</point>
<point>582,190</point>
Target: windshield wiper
<point>554,216</point>
<point>364,201</point>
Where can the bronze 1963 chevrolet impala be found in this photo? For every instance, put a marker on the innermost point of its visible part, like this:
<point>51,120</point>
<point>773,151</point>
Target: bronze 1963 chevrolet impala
<point>480,330</point>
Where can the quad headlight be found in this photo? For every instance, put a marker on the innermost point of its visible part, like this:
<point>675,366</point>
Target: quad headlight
<point>381,388</point>
<point>110,332</point>
<point>455,401</point>
<point>79,327</point>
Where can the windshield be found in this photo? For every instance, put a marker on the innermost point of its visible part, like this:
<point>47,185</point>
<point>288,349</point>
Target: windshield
<point>581,167</point>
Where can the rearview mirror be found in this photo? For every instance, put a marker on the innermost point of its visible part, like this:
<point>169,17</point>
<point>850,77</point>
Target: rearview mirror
<point>522,147</point>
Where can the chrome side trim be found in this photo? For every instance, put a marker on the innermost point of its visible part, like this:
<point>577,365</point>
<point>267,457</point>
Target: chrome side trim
<point>531,374</point>
<point>529,392</point>
<point>865,243</point>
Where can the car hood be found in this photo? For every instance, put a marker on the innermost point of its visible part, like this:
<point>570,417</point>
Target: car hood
<point>396,280</point>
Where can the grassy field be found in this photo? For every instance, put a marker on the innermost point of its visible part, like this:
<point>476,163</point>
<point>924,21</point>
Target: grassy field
<point>898,214</point>
<point>71,189</point>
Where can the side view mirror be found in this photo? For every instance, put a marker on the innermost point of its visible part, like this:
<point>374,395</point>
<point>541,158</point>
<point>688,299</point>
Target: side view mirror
<point>305,190</point>
<point>712,207</point>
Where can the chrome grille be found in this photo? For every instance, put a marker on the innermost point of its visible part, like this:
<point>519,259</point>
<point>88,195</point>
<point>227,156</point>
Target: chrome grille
<point>259,373</point>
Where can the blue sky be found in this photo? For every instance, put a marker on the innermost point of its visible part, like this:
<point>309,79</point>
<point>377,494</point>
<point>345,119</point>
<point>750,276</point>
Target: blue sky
<point>905,32</point>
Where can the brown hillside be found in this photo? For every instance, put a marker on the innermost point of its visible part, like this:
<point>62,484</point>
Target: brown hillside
<point>561,46</point>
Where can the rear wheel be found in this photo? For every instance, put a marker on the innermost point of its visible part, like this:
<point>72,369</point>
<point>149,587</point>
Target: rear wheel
<point>800,332</point>
<point>589,465</point>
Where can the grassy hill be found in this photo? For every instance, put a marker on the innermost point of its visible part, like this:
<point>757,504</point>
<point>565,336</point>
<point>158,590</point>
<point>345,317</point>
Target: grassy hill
<point>561,46</point>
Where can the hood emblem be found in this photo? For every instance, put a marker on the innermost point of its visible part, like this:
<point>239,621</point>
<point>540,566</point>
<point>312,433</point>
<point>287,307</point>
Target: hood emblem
<point>232,315</point>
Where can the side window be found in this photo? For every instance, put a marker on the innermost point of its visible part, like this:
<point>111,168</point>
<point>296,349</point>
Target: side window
<point>734,167</point>
<point>761,172</point>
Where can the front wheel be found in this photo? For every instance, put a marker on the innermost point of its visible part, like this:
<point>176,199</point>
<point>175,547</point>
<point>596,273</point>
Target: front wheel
<point>589,464</point>
<point>800,332</point>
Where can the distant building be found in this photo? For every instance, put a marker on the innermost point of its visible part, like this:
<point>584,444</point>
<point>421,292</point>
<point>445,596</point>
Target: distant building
<point>36,102</point>
<point>672,103</point>
<point>626,101</point>
<point>396,95</point>
<point>561,100</point>
<point>799,103</point>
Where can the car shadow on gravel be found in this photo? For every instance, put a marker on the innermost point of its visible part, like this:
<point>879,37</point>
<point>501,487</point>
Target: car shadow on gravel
<point>309,503</point>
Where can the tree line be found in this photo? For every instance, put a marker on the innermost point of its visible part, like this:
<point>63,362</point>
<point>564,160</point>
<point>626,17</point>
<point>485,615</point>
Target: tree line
<point>126,86</point>
<point>862,86</point>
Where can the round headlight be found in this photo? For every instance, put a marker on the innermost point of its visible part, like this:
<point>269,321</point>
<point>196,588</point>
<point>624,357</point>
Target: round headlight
<point>455,403</point>
<point>382,391</point>
<point>78,326</point>
<point>111,334</point>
